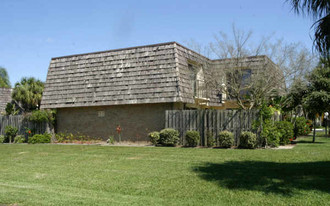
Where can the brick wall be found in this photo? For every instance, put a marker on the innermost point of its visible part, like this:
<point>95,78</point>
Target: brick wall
<point>136,120</point>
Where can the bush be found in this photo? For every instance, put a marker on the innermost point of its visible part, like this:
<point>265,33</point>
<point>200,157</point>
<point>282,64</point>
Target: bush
<point>192,138</point>
<point>10,133</point>
<point>42,116</point>
<point>60,137</point>
<point>286,131</point>
<point>310,124</point>
<point>11,109</point>
<point>266,112</point>
<point>111,140</point>
<point>247,140</point>
<point>225,139</point>
<point>168,137</point>
<point>19,139</point>
<point>154,137</point>
<point>210,139</point>
<point>40,138</point>
<point>2,139</point>
<point>271,135</point>
<point>301,127</point>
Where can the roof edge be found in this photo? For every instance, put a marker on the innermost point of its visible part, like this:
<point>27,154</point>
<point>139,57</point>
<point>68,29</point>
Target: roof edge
<point>112,50</point>
<point>193,51</point>
<point>244,57</point>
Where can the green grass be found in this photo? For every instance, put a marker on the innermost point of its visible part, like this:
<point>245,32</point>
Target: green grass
<point>100,175</point>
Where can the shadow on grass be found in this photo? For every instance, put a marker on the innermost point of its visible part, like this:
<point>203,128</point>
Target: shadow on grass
<point>268,177</point>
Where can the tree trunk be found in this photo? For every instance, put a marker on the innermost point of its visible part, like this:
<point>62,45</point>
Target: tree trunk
<point>326,127</point>
<point>260,131</point>
<point>314,126</point>
<point>294,127</point>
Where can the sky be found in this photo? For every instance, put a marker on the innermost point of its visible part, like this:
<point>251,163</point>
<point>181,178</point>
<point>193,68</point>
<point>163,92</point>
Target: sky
<point>32,32</point>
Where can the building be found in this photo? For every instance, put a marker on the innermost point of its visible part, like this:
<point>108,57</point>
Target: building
<point>5,98</point>
<point>131,87</point>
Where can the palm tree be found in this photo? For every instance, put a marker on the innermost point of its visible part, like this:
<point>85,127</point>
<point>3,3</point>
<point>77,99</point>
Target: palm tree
<point>28,93</point>
<point>319,10</point>
<point>4,78</point>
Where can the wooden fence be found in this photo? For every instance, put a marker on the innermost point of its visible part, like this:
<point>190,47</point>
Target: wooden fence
<point>212,121</point>
<point>22,124</point>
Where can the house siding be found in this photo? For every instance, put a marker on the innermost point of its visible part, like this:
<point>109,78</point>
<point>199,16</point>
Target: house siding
<point>116,77</point>
<point>5,97</point>
<point>136,120</point>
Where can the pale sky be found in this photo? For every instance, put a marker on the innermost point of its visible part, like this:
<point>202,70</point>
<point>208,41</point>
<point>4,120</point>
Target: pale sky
<point>32,32</point>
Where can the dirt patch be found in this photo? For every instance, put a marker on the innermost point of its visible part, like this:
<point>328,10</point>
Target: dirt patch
<point>290,146</point>
<point>130,144</point>
<point>134,158</point>
<point>40,175</point>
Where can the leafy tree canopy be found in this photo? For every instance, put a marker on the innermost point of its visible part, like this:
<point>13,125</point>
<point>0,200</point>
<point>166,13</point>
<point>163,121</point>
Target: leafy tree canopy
<point>296,95</point>
<point>4,78</point>
<point>318,99</point>
<point>320,11</point>
<point>28,93</point>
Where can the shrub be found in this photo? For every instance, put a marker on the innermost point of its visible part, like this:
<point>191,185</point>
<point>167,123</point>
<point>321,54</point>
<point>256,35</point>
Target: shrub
<point>210,139</point>
<point>247,140</point>
<point>10,133</point>
<point>111,140</point>
<point>168,137</point>
<point>42,116</point>
<point>60,137</point>
<point>266,112</point>
<point>154,137</point>
<point>19,139</point>
<point>301,127</point>
<point>310,124</point>
<point>271,135</point>
<point>192,138</point>
<point>286,131</point>
<point>40,138</point>
<point>11,109</point>
<point>29,132</point>
<point>2,139</point>
<point>69,137</point>
<point>225,139</point>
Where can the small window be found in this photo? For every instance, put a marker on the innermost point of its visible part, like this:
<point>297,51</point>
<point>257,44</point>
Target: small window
<point>101,114</point>
<point>193,75</point>
<point>246,77</point>
<point>197,80</point>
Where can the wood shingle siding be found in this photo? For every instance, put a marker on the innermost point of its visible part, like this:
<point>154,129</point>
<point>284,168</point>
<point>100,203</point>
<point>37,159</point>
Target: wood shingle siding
<point>127,76</point>
<point>5,97</point>
<point>147,74</point>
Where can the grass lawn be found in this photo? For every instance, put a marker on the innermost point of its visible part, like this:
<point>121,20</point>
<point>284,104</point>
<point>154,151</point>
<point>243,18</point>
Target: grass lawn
<point>102,175</point>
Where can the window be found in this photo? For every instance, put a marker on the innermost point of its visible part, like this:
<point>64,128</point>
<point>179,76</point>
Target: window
<point>101,114</point>
<point>246,79</point>
<point>246,76</point>
<point>237,80</point>
<point>193,73</point>
<point>197,81</point>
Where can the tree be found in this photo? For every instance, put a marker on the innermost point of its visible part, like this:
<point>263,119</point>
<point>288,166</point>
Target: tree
<point>293,101</point>
<point>28,93</point>
<point>4,78</point>
<point>235,78</point>
<point>318,99</point>
<point>319,10</point>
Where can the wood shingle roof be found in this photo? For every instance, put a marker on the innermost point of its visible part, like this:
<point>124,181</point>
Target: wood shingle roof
<point>155,73</point>
<point>145,74</point>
